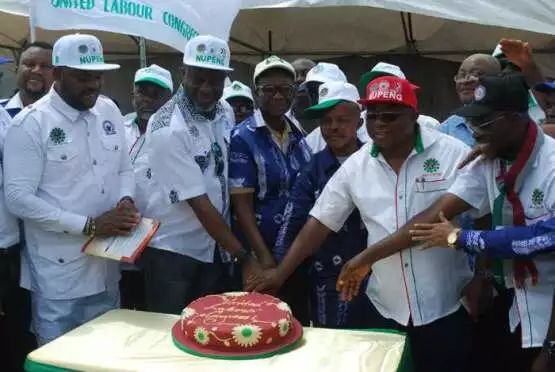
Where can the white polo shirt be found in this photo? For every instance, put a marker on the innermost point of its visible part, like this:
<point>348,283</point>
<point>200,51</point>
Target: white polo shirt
<point>60,166</point>
<point>424,285</point>
<point>183,162</point>
<point>476,185</point>
<point>9,230</point>
<point>317,143</point>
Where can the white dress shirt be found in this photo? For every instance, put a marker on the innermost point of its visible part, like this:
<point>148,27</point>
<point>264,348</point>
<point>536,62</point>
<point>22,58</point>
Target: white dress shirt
<point>183,166</point>
<point>139,160</point>
<point>476,185</point>
<point>9,230</point>
<point>317,143</point>
<point>424,285</point>
<point>132,132</point>
<point>62,165</point>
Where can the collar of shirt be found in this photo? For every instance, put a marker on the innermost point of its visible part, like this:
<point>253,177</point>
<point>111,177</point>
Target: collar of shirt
<point>130,119</point>
<point>424,139</point>
<point>14,102</point>
<point>66,110</point>
<point>329,160</point>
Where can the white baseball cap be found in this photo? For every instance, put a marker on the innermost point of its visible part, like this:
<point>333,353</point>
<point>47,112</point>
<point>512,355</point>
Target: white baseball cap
<point>237,89</point>
<point>331,94</point>
<point>80,52</point>
<point>209,52</point>
<point>156,75</point>
<point>381,69</point>
<point>325,72</point>
<point>273,63</point>
<point>497,52</point>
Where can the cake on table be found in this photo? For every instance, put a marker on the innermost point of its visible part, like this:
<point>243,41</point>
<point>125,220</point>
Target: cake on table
<point>237,325</point>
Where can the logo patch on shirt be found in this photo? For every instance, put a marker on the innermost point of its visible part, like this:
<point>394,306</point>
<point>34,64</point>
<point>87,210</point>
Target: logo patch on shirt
<point>109,128</point>
<point>174,197</point>
<point>57,136</point>
<point>537,198</point>
<point>431,165</point>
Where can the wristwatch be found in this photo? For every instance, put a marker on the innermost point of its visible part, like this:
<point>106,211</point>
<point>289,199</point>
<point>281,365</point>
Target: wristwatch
<point>241,256</point>
<point>453,237</point>
<point>549,345</point>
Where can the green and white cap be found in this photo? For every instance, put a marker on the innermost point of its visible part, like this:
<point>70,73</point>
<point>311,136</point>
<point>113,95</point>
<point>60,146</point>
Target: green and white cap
<point>331,94</point>
<point>209,52</point>
<point>80,52</point>
<point>324,72</point>
<point>380,69</point>
<point>237,89</point>
<point>273,63</point>
<point>156,75</point>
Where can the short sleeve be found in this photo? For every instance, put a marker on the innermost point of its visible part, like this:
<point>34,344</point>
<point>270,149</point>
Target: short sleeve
<point>173,166</point>
<point>471,186</point>
<point>335,203</point>
<point>242,167</point>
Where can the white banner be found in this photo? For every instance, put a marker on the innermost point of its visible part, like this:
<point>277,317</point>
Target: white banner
<point>170,22</point>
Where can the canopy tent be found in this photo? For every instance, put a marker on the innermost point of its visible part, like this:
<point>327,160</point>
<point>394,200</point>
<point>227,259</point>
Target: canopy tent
<point>329,28</point>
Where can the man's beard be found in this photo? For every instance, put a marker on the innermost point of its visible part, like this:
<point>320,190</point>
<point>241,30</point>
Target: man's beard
<point>34,95</point>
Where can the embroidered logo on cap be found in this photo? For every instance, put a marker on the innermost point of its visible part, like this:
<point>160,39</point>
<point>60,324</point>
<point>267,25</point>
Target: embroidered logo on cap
<point>318,68</point>
<point>384,90</point>
<point>237,87</point>
<point>83,49</point>
<point>479,93</point>
<point>324,92</point>
<point>201,48</point>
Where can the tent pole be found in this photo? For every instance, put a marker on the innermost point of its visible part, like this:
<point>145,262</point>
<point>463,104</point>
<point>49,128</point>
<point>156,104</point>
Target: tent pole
<point>142,51</point>
<point>270,48</point>
<point>32,27</point>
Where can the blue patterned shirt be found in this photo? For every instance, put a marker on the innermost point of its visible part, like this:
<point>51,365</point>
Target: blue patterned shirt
<point>511,242</point>
<point>256,162</point>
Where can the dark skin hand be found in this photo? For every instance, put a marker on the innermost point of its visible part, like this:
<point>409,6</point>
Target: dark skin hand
<point>118,221</point>
<point>243,205</point>
<point>218,229</point>
<point>307,241</point>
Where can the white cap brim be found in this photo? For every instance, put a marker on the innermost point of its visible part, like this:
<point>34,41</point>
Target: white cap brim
<point>96,67</point>
<point>211,67</point>
<point>236,95</point>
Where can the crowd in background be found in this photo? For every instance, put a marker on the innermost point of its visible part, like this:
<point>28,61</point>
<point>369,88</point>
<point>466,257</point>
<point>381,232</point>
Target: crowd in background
<point>343,200</point>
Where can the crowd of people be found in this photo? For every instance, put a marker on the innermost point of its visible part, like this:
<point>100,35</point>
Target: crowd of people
<point>346,202</point>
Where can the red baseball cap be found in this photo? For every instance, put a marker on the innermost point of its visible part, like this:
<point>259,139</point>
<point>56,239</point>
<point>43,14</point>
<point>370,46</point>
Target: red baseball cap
<point>391,89</point>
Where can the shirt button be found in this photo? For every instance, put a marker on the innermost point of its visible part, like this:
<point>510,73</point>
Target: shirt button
<point>116,148</point>
<point>400,197</point>
<point>66,232</point>
<point>63,157</point>
<point>94,161</point>
<point>102,191</point>
<point>88,134</point>
<point>61,260</point>
<point>406,264</point>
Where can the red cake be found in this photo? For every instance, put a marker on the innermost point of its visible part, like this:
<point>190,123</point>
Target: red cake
<point>236,324</point>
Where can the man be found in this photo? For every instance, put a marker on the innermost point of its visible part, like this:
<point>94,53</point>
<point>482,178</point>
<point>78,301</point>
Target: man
<point>266,154</point>
<point>514,182</point>
<point>466,79</point>
<point>34,77</point>
<point>302,66</point>
<point>404,169</point>
<point>187,142</point>
<point>308,89</point>
<point>339,114</point>
<point>239,96</point>
<point>153,86</point>
<point>68,177</point>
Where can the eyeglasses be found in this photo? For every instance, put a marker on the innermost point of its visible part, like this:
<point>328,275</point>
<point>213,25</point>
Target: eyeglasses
<point>466,76</point>
<point>479,124</point>
<point>270,90</point>
<point>386,117</point>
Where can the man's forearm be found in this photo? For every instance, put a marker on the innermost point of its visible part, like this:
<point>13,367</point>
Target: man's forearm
<point>310,238</point>
<point>214,224</point>
<point>242,206</point>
